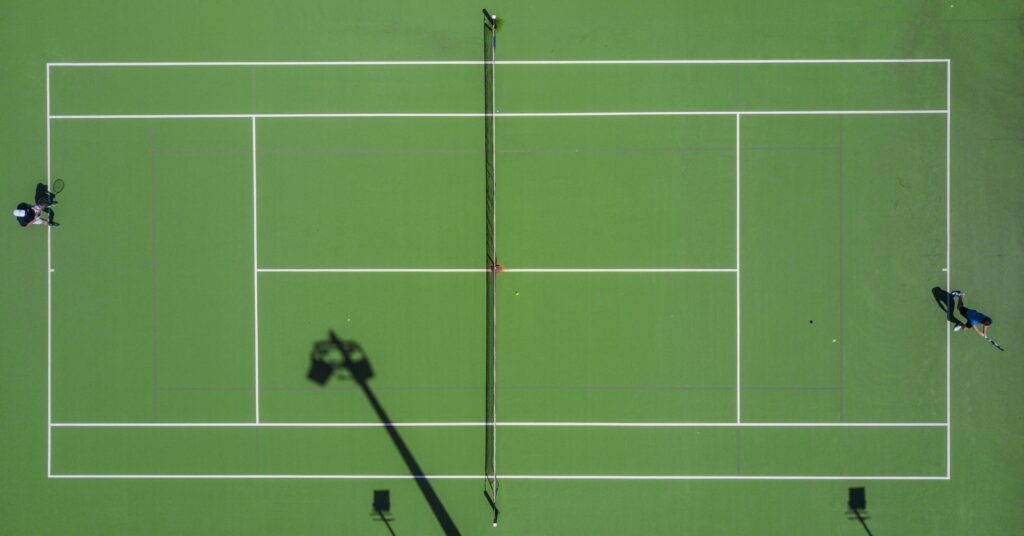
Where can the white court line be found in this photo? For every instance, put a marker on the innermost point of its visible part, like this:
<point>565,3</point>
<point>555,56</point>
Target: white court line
<point>516,424</point>
<point>505,477</point>
<point>49,299</point>
<point>481,62</point>
<point>949,414</point>
<point>739,412</point>
<point>255,279</point>
<point>509,270</point>
<point>616,270</point>
<point>719,112</point>
<point>370,270</point>
<point>261,116</point>
<point>502,114</point>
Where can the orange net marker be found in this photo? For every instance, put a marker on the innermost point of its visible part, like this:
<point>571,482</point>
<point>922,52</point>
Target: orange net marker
<point>498,269</point>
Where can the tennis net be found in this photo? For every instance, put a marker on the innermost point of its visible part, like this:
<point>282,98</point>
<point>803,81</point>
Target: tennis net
<point>491,428</point>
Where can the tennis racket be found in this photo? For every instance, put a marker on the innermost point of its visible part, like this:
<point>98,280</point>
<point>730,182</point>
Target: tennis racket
<point>58,186</point>
<point>996,344</point>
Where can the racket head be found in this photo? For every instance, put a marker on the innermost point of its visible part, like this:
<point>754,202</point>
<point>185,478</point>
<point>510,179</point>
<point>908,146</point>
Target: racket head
<point>996,344</point>
<point>58,186</point>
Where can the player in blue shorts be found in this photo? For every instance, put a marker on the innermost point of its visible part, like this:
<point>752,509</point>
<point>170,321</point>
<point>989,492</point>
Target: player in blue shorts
<point>973,317</point>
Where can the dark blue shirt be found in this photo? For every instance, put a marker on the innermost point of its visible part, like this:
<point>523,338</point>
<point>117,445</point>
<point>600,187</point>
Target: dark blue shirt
<point>975,317</point>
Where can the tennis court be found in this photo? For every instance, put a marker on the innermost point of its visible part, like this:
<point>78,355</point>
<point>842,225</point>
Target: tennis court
<point>715,287</point>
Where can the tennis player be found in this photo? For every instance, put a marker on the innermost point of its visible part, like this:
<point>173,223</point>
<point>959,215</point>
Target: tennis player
<point>27,214</point>
<point>973,317</point>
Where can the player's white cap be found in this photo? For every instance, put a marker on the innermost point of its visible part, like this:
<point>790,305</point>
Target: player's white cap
<point>19,213</point>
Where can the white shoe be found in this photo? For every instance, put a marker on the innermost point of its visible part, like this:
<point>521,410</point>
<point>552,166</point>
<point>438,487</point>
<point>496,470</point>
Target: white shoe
<point>956,293</point>
<point>957,328</point>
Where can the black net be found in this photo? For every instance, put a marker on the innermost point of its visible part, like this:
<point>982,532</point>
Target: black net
<point>490,470</point>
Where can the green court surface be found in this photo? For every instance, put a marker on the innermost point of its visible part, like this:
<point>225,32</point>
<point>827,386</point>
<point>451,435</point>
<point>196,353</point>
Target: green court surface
<point>716,313</point>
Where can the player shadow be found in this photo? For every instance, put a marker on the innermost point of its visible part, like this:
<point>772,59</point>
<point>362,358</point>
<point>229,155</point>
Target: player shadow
<point>945,301</point>
<point>353,364</point>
